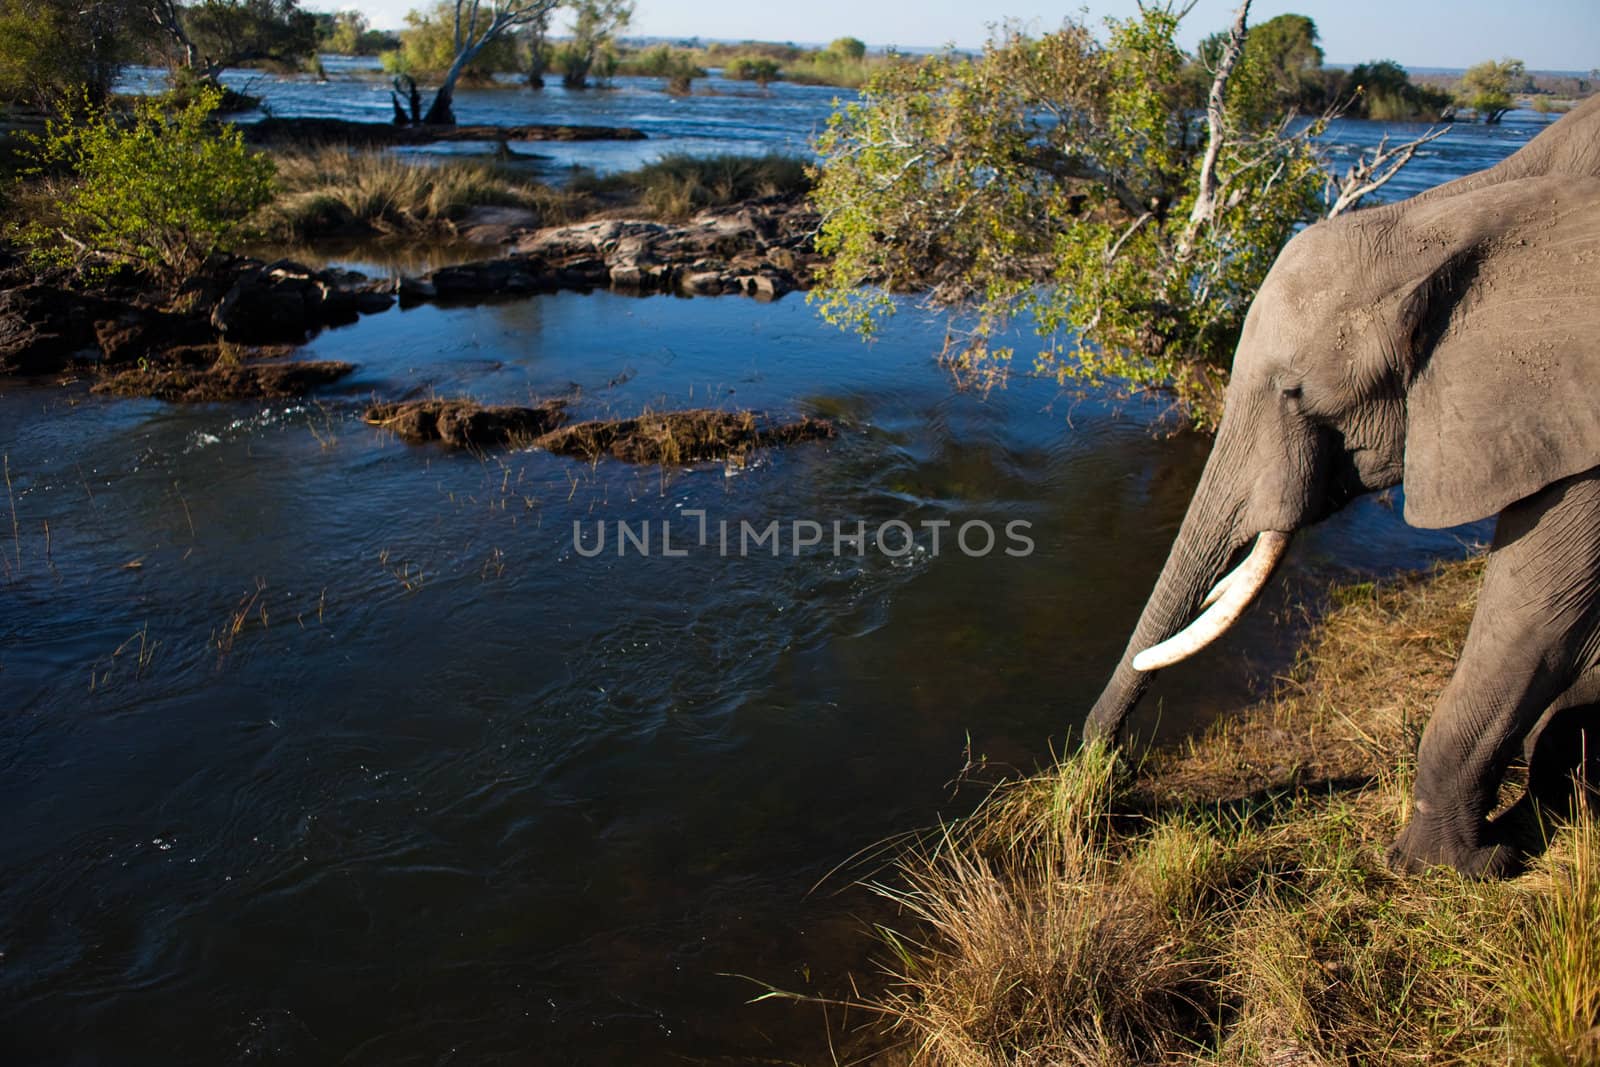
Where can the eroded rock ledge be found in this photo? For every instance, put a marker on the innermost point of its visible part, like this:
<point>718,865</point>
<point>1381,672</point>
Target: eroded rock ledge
<point>761,248</point>
<point>283,131</point>
<point>51,323</point>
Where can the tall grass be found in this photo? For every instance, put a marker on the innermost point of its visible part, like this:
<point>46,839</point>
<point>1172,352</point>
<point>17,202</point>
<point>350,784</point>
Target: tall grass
<point>332,189</point>
<point>335,190</point>
<point>677,185</point>
<point>1230,904</point>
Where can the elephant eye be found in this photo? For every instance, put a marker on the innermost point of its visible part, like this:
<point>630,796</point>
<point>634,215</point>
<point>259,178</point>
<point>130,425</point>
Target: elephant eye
<point>1291,392</point>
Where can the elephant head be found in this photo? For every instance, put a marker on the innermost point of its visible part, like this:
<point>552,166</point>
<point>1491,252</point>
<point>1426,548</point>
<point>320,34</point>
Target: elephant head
<point>1450,342</point>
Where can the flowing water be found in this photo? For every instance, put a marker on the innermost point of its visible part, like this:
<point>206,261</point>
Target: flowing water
<point>320,748</point>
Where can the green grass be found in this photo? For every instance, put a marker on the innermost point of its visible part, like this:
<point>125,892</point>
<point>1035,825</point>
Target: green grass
<point>1229,903</point>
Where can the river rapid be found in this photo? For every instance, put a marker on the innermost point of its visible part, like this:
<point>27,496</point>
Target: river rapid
<point>320,748</point>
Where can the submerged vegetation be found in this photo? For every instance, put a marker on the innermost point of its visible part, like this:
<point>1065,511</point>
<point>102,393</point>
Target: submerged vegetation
<point>1230,903</point>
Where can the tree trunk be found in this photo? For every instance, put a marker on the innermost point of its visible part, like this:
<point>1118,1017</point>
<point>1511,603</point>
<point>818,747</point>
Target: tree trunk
<point>440,112</point>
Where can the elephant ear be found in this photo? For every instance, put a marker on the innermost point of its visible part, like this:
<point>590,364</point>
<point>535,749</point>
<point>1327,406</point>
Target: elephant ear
<point>1505,393</point>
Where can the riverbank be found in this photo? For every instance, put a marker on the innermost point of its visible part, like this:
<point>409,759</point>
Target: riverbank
<point>1229,902</point>
<point>58,323</point>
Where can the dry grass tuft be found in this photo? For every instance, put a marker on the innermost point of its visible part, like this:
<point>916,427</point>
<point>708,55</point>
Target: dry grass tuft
<point>333,190</point>
<point>678,185</point>
<point>336,190</point>
<point>1229,904</point>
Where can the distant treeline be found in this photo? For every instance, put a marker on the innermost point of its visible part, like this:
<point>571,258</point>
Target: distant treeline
<point>50,52</point>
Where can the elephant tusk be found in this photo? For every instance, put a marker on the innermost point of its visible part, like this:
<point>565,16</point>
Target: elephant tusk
<point>1237,590</point>
<point>1220,588</point>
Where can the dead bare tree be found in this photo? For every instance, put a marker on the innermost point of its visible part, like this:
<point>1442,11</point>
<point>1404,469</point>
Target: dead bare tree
<point>475,25</point>
<point>168,17</point>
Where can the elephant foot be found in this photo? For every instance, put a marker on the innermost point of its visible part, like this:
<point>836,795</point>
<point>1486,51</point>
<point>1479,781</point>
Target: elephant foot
<point>1421,846</point>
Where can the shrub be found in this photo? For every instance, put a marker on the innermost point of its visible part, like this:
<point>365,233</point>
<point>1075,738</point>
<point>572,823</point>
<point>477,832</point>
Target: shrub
<point>161,189</point>
<point>756,69</point>
<point>664,61</point>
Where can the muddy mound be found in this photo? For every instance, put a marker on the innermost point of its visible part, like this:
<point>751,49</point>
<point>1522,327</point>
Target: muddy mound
<point>671,437</point>
<point>464,423</point>
<point>241,381</point>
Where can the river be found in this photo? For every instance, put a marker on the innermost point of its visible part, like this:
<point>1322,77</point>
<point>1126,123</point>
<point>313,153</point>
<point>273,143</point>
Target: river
<point>320,748</point>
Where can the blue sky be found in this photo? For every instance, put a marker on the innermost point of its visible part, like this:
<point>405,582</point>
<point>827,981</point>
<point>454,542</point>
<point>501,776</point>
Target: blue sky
<point>1546,34</point>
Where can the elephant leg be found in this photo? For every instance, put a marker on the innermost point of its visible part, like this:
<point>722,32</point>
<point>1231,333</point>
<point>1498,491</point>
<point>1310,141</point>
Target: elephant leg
<point>1564,755</point>
<point>1533,636</point>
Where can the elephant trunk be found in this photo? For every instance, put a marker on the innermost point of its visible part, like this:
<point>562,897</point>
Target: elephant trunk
<point>1205,544</point>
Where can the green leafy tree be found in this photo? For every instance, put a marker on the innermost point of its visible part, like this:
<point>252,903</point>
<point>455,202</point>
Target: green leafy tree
<point>1487,87</point>
<point>1384,90</point>
<point>428,47</point>
<point>592,48</point>
<point>758,69</point>
<point>348,33</point>
<point>1282,54</point>
<point>533,42</point>
<point>53,52</point>
<point>213,34</point>
<point>1072,183</point>
<point>851,48</point>
<point>158,189</point>
<point>459,37</point>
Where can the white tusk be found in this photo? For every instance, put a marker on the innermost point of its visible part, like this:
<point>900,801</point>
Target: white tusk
<point>1237,590</point>
<point>1220,588</point>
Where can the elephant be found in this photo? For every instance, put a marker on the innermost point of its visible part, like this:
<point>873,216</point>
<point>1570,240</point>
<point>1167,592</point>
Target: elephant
<point>1449,344</point>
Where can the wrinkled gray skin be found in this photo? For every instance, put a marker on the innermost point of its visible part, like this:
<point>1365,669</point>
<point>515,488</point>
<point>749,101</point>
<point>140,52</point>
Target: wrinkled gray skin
<point>1450,342</point>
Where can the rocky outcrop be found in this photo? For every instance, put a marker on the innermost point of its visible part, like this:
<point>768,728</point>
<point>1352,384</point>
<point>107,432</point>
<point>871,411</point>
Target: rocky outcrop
<point>52,323</point>
<point>43,328</point>
<point>762,248</point>
<point>284,302</point>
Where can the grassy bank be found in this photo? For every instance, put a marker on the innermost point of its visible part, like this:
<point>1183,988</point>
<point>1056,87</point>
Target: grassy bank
<point>331,191</point>
<point>1229,903</point>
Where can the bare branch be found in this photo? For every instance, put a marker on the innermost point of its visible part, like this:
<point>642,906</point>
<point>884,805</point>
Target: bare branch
<point>1368,174</point>
<point>1111,253</point>
<point>1205,201</point>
